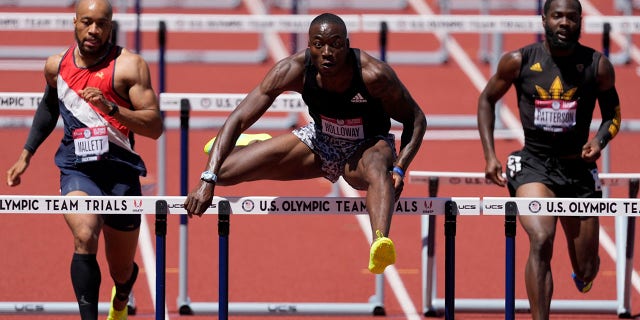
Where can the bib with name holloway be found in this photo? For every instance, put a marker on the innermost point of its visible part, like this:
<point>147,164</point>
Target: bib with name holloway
<point>89,134</point>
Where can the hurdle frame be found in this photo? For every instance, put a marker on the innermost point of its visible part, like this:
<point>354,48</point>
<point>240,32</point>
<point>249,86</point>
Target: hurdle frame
<point>163,205</point>
<point>625,234</point>
<point>374,306</point>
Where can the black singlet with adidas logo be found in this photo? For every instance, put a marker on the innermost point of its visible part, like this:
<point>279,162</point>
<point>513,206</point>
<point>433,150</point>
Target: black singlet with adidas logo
<point>353,114</point>
<point>556,99</point>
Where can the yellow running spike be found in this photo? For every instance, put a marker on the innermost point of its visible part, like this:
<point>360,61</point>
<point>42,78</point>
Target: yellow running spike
<point>243,140</point>
<point>113,313</point>
<point>382,253</point>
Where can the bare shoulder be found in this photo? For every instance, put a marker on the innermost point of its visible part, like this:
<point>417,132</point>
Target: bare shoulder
<point>51,66</point>
<point>376,73</point>
<point>511,58</point>
<point>129,59</point>
<point>509,65</point>
<point>606,75</point>
<point>293,63</point>
<point>286,75</point>
<point>131,69</point>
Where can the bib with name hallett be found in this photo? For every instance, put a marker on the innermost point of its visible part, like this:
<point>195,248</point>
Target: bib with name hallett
<point>90,143</point>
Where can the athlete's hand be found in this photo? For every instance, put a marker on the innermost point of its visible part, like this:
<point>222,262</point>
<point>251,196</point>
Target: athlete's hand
<point>14,173</point>
<point>199,199</point>
<point>398,185</point>
<point>591,150</point>
<point>18,168</point>
<point>96,98</point>
<point>493,172</point>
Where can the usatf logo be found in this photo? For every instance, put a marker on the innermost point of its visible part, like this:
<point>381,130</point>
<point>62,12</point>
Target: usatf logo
<point>137,205</point>
<point>428,207</point>
<point>248,205</point>
<point>535,206</point>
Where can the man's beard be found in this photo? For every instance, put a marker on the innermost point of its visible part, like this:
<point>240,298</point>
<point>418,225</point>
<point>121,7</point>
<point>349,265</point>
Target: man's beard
<point>555,43</point>
<point>99,51</point>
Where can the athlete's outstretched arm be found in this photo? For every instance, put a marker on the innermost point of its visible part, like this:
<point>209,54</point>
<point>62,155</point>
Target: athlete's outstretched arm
<point>286,75</point>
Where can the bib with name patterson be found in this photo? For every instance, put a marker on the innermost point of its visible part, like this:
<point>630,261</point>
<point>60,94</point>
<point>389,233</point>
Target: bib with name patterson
<point>556,98</point>
<point>555,115</point>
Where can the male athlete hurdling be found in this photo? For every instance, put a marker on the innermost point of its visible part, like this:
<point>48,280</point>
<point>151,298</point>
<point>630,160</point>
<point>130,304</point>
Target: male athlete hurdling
<point>352,98</point>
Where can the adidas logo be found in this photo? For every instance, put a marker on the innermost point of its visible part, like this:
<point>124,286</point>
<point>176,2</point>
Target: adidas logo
<point>536,67</point>
<point>358,98</point>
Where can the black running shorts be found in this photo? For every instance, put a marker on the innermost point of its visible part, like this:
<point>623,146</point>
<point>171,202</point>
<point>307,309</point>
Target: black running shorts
<point>567,178</point>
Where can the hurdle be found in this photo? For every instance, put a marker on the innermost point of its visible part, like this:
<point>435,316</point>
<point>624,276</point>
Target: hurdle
<point>327,205</point>
<point>288,103</point>
<point>485,7</point>
<point>147,3</point>
<point>35,204</point>
<point>56,22</point>
<point>625,230</point>
<point>224,207</point>
<point>266,24</point>
<point>351,4</point>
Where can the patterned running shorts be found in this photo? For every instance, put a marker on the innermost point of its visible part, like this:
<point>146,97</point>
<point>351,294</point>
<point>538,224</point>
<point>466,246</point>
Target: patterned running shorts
<point>334,152</point>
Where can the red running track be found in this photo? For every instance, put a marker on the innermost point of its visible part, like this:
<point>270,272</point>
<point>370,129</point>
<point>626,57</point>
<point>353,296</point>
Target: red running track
<point>298,258</point>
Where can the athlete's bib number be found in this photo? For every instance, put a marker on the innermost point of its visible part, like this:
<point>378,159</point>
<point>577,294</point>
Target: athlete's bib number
<point>555,115</point>
<point>90,143</point>
<point>348,129</point>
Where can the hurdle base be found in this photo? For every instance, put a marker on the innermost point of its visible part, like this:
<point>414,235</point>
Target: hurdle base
<point>42,308</point>
<point>290,308</point>
<point>185,310</point>
<point>37,307</point>
<point>522,306</point>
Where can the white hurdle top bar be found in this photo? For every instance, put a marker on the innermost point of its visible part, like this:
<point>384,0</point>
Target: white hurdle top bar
<point>223,23</point>
<point>288,102</point>
<point>563,206</point>
<point>263,205</point>
<point>543,206</point>
<point>478,178</point>
<point>11,204</point>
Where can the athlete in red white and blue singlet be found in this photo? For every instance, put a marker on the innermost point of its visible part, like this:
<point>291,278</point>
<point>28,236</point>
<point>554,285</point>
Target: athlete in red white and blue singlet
<point>104,94</point>
<point>90,134</point>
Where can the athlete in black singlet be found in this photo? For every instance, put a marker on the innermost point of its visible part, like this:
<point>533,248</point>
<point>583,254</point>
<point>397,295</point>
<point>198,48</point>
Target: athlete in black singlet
<point>557,84</point>
<point>352,98</point>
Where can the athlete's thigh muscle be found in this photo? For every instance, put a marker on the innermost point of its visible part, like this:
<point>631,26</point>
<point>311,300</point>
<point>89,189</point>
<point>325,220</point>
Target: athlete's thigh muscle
<point>283,157</point>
